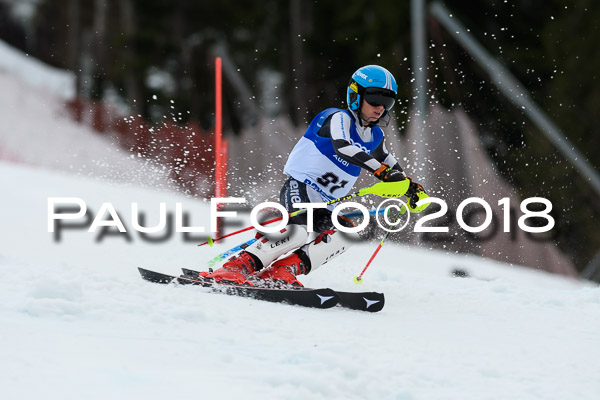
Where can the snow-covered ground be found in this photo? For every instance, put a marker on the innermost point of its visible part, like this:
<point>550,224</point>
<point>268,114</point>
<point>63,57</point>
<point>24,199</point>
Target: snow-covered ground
<point>36,128</point>
<point>78,322</point>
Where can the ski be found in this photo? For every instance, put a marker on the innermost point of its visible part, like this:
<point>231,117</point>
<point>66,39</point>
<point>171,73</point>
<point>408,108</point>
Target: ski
<point>363,301</point>
<point>315,298</point>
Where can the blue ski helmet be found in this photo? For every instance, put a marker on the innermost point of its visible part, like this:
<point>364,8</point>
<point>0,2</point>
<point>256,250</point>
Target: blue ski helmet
<point>374,84</point>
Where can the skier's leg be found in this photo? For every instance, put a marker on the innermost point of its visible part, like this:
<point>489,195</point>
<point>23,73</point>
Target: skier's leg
<point>262,252</point>
<point>270,247</point>
<point>328,245</point>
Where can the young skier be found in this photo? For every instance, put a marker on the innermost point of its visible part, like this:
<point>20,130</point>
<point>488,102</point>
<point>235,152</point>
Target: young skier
<point>324,165</point>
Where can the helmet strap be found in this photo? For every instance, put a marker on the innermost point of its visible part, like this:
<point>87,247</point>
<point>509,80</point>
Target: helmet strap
<point>371,124</point>
<point>385,120</point>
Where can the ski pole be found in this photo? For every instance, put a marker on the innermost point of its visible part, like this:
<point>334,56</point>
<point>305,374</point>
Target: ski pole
<point>211,241</point>
<point>358,279</point>
<point>421,195</point>
<point>381,189</point>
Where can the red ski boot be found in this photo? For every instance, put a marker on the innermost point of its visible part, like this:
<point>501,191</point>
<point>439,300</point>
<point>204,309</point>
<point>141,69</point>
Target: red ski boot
<point>285,270</point>
<point>235,270</point>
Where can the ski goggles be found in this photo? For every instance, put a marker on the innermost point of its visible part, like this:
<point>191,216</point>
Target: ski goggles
<point>379,97</point>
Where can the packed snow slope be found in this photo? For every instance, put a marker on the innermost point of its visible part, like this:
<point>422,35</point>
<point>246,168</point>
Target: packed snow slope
<point>78,322</point>
<point>37,128</point>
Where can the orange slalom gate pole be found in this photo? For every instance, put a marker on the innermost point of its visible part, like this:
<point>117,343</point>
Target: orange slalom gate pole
<point>220,188</point>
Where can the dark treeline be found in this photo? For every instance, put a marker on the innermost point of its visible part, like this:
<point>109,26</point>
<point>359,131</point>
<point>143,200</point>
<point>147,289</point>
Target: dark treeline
<point>293,58</point>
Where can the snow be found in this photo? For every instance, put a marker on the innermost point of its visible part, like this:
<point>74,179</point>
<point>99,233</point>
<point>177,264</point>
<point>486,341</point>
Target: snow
<point>35,73</point>
<point>37,130</point>
<point>78,322</point>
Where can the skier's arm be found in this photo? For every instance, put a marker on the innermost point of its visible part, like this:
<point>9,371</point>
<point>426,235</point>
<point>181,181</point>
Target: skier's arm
<point>382,155</point>
<point>339,125</point>
<point>339,131</point>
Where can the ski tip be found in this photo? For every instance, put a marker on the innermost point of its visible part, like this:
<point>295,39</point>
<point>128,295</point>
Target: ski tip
<point>143,271</point>
<point>155,277</point>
